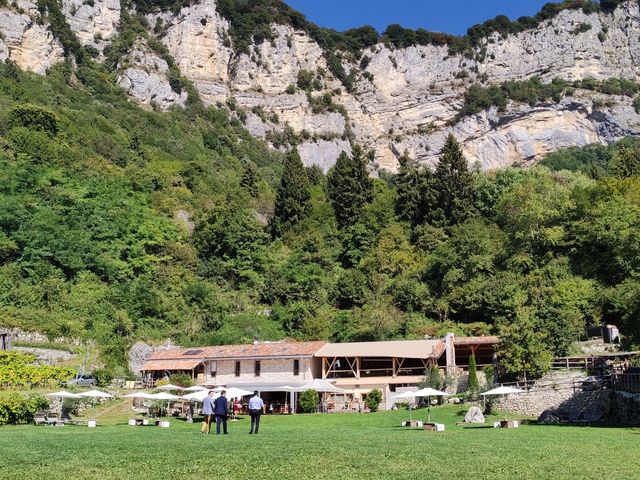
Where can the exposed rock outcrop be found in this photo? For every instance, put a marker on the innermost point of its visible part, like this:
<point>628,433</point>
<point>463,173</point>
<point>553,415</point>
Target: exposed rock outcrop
<point>145,76</point>
<point>95,23</point>
<point>403,99</point>
<point>30,45</point>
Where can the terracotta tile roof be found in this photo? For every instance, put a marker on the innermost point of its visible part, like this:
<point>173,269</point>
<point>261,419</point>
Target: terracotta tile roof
<point>154,365</point>
<point>259,350</point>
<point>488,340</point>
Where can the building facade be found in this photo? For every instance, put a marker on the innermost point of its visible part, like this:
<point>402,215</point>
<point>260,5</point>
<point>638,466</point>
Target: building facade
<point>259,363</point>
<point>355,368</point>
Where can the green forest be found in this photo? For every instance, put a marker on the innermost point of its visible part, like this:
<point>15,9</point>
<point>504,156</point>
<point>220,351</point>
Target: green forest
<point>119,224</point>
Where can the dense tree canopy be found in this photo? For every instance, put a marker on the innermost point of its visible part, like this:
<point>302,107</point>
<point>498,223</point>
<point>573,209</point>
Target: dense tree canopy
<point>118,224</point>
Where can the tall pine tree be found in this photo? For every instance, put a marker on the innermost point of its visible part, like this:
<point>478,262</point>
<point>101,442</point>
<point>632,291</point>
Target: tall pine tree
<point>455,185</point>
<point>249,180</point>
<point>349,187</point>
<point>293,196</point>
<point>417,192</point>
<point>408,187</point>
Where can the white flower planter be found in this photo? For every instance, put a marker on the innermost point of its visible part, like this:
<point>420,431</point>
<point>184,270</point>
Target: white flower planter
<point>91,424</point>
<point>164,424</point>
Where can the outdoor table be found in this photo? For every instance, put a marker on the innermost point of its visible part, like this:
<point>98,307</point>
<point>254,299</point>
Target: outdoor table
<point>508,424</point>
<point>433,427</point>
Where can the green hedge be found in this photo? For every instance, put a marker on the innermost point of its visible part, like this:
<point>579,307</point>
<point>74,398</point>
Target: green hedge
<point>20,408</point>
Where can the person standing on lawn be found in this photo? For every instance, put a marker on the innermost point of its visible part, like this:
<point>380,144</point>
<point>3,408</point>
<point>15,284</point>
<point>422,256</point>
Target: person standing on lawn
<point>207,411</point>
<point>221,411</point>
<point>256,405</point>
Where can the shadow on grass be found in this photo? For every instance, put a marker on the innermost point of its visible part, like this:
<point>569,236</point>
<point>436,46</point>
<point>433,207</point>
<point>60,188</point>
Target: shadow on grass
<point>592,425</point>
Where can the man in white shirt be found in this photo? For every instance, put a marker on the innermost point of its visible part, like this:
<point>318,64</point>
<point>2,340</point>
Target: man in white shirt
<point>256,405</point>
<point>207,411</point>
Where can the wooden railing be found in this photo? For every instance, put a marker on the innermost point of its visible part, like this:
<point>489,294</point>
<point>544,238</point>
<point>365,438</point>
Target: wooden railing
<point>571,363</point>
<point>592,383</point>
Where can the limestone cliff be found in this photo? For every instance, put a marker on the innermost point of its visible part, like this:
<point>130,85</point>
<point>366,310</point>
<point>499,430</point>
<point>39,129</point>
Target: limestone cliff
<point>403,99</point>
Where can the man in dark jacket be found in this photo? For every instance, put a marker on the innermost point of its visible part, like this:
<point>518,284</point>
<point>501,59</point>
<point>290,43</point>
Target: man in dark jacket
<point>221,411</point>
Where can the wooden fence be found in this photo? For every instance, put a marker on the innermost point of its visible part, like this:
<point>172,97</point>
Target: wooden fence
<point>627,382</point>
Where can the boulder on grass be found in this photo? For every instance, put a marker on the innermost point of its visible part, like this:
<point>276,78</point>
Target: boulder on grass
<point>474,415</point>
<point>549,417</point>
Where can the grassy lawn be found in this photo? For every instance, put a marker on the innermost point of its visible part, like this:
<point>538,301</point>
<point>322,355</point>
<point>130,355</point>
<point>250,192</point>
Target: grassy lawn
<point>340,446</point>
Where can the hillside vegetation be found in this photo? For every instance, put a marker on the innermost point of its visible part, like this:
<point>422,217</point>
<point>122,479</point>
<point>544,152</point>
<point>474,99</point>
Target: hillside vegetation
<point>118,224</point>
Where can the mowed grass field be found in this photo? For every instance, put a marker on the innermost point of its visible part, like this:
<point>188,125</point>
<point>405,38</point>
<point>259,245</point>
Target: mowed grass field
<point>335,446</point>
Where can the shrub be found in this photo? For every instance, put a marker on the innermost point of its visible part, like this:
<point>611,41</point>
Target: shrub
<point>17,370</point>
<point>104,376</point>
<point>373,399</point>
<point>474,385</point>
<point>35,118</point>
<point>18,408</point>
<point>181,380</point>
<point>489,375</point>
<point>309,401</point>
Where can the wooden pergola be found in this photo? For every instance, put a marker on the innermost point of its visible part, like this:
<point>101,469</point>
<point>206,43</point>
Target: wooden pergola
<point>358,367</point>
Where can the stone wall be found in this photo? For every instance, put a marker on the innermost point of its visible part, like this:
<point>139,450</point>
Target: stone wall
<point>624,408</point>
<point>554,392</point>
<point>275,371</point>
<point>535,401</point>
<point>47,355</point>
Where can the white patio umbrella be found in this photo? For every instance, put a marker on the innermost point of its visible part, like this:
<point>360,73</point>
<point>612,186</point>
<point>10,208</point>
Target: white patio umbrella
<point>143,395</point>
<point>503,391</point>
<point>164,396</point>
<point>400,398</point>
<point>321,386</point>
<point>93,394</point>
<point>170,387</point>
<point>197,396</point>
<point>196,388</point>
<point>62,394</point>
<point>234,392</point>
<point>430,392</point>
<point>138,395</point>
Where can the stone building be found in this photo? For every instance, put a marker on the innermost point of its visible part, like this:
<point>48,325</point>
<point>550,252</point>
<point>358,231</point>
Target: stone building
<point>357,368</point>
<point>257,364</point>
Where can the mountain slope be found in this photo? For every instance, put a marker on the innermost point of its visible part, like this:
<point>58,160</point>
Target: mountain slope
<point>403,94</point>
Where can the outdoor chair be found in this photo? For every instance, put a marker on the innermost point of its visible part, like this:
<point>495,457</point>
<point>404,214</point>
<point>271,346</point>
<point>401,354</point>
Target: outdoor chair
<point>40,418</point>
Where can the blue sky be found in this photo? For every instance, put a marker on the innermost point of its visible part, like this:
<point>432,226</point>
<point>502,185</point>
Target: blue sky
<point>453,16</point>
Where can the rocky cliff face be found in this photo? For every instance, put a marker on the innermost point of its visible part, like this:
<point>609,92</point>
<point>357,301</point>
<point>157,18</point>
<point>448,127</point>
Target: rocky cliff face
<point>404,100</point>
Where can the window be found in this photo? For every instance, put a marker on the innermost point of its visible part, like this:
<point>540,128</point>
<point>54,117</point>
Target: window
<point>256,368</point>
<point>296,367</point>
<point>237,369</point>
